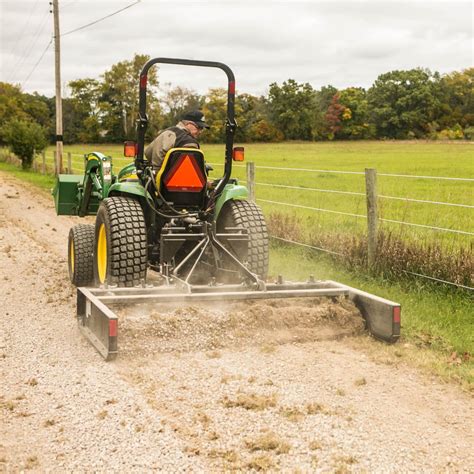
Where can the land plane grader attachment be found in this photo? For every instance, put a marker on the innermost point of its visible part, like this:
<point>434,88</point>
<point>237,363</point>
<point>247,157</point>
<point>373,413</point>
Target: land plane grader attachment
<point>99,323</point>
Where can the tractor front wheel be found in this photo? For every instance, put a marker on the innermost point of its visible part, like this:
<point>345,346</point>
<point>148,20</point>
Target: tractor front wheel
<point>248,215</point>
<point>120,251</point>
<point>80,254</point>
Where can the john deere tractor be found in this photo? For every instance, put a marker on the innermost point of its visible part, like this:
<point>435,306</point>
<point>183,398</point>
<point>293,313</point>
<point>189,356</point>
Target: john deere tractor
<point>204,241</point>
<point>174,220</point>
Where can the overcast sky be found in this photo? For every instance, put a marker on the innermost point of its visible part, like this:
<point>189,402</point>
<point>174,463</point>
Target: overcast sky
<point>343,43</point>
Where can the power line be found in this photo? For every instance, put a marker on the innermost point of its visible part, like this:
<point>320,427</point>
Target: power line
<point>101,19</point>
<point>27,50</point>
<point>37,63</point>
<point>25,28</point>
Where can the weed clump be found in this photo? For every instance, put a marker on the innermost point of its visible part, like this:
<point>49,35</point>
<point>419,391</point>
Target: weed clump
<point>314,408</point>
<point>292,413</point>
<point>261,463</point>
<point>360,382</point>
<point>250,401</point>
<point>398,255</point>
<point>268,442</point>
<point>315,445</point>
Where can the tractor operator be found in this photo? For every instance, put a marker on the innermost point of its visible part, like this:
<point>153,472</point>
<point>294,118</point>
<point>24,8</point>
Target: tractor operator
<point>183,135</point>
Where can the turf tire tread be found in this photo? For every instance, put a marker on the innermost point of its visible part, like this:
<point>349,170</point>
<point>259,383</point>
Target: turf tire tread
<point>127,256</point>
<point>246,214</point>
<point>82,236</point>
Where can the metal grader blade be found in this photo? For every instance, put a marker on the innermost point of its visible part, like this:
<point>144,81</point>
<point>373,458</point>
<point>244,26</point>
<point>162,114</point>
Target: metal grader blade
<point>98,322</point>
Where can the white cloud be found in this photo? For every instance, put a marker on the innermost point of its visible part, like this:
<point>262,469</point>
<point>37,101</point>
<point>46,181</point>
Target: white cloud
<point>340,42</point>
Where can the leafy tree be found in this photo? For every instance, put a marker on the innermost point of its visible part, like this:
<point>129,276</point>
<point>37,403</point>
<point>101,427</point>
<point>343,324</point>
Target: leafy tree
<point>86,95</point>
<point>355,122</point>
<point>292,107</point>
<point>83,109</point>
<point>264,131</point>
<point>24,138</point>
<point>215,111</point>
<point>457,91</point>
<point>177,101</point>
<point>323,99</point>
<point>334,116</point>
<point>403,103</point>
<point>14,104</point>
<point>40,108</point>
<point>11,103</point>
<point>108,108</point>
<point>118,102</point>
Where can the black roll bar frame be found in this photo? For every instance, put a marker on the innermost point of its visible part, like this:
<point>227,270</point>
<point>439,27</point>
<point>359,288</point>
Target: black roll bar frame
<point>140,161</point>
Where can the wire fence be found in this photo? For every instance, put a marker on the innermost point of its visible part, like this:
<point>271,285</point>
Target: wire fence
<point>312,170</point>
<point>349,194</point>
<point>74,162</point>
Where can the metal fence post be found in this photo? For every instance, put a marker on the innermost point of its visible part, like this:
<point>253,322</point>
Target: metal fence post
<point>69,162</point>
<point>251,180</point>
<point>371,193</point>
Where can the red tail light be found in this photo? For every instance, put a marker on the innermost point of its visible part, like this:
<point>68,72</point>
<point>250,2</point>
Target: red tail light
<point>396,314</point>
<point>238,153</point>
<point>112,327</point>
<point>129,149</point>
<point>185,176</point>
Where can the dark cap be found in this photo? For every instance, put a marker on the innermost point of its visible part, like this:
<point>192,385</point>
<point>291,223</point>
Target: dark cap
<point>197,117</point>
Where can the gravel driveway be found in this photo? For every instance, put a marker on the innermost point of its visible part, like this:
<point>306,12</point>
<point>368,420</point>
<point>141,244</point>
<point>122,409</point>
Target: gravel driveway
<point>190,392</point>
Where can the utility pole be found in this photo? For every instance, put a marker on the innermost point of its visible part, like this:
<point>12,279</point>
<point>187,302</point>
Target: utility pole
<point>59,104</point>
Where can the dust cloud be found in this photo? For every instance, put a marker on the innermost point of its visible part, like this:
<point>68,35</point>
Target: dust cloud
<point>182,327</point>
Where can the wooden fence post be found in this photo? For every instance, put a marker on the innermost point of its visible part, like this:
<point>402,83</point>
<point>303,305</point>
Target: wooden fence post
<point>371,193</point>
<point>251,180</point>
<point>55,154</point>
<point>43,167</point>
<point>69,163</point>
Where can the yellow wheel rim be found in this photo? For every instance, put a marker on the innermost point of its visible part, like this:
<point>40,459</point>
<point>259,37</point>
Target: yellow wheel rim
<point>102,254</point>
<point>71,255</point>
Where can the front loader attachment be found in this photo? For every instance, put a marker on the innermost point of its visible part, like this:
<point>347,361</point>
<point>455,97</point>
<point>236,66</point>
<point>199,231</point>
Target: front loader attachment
<point>99,323</point>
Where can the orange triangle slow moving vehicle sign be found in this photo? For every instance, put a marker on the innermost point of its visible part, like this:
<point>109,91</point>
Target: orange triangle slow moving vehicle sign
<point>186,176</point>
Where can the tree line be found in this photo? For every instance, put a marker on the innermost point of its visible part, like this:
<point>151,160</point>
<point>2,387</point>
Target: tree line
<point>406,104</point>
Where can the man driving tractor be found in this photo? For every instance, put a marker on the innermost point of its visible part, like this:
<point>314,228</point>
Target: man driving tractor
<point>183,135</point>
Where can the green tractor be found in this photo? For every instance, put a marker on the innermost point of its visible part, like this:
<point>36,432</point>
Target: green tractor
<point>201,238</point>
<point>175,220</point>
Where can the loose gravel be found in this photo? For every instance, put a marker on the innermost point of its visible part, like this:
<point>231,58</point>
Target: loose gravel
<point>263,386</point>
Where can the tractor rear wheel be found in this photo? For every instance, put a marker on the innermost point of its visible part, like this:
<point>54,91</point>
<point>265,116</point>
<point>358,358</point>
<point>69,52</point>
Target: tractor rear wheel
<point>80,254</point>
<point>246,214</point>
<point>120,250</point>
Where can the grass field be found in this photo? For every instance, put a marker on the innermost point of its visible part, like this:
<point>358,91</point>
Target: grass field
<point>449,159</point>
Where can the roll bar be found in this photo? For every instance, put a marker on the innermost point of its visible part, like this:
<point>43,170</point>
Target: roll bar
<point>230,126</point>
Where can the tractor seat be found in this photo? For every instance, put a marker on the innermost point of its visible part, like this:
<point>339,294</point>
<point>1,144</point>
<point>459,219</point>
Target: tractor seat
<point>182,178</point>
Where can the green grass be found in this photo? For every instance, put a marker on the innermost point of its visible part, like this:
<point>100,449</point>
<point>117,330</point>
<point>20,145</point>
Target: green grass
<point>45,182</point>
<point>451,159</point>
